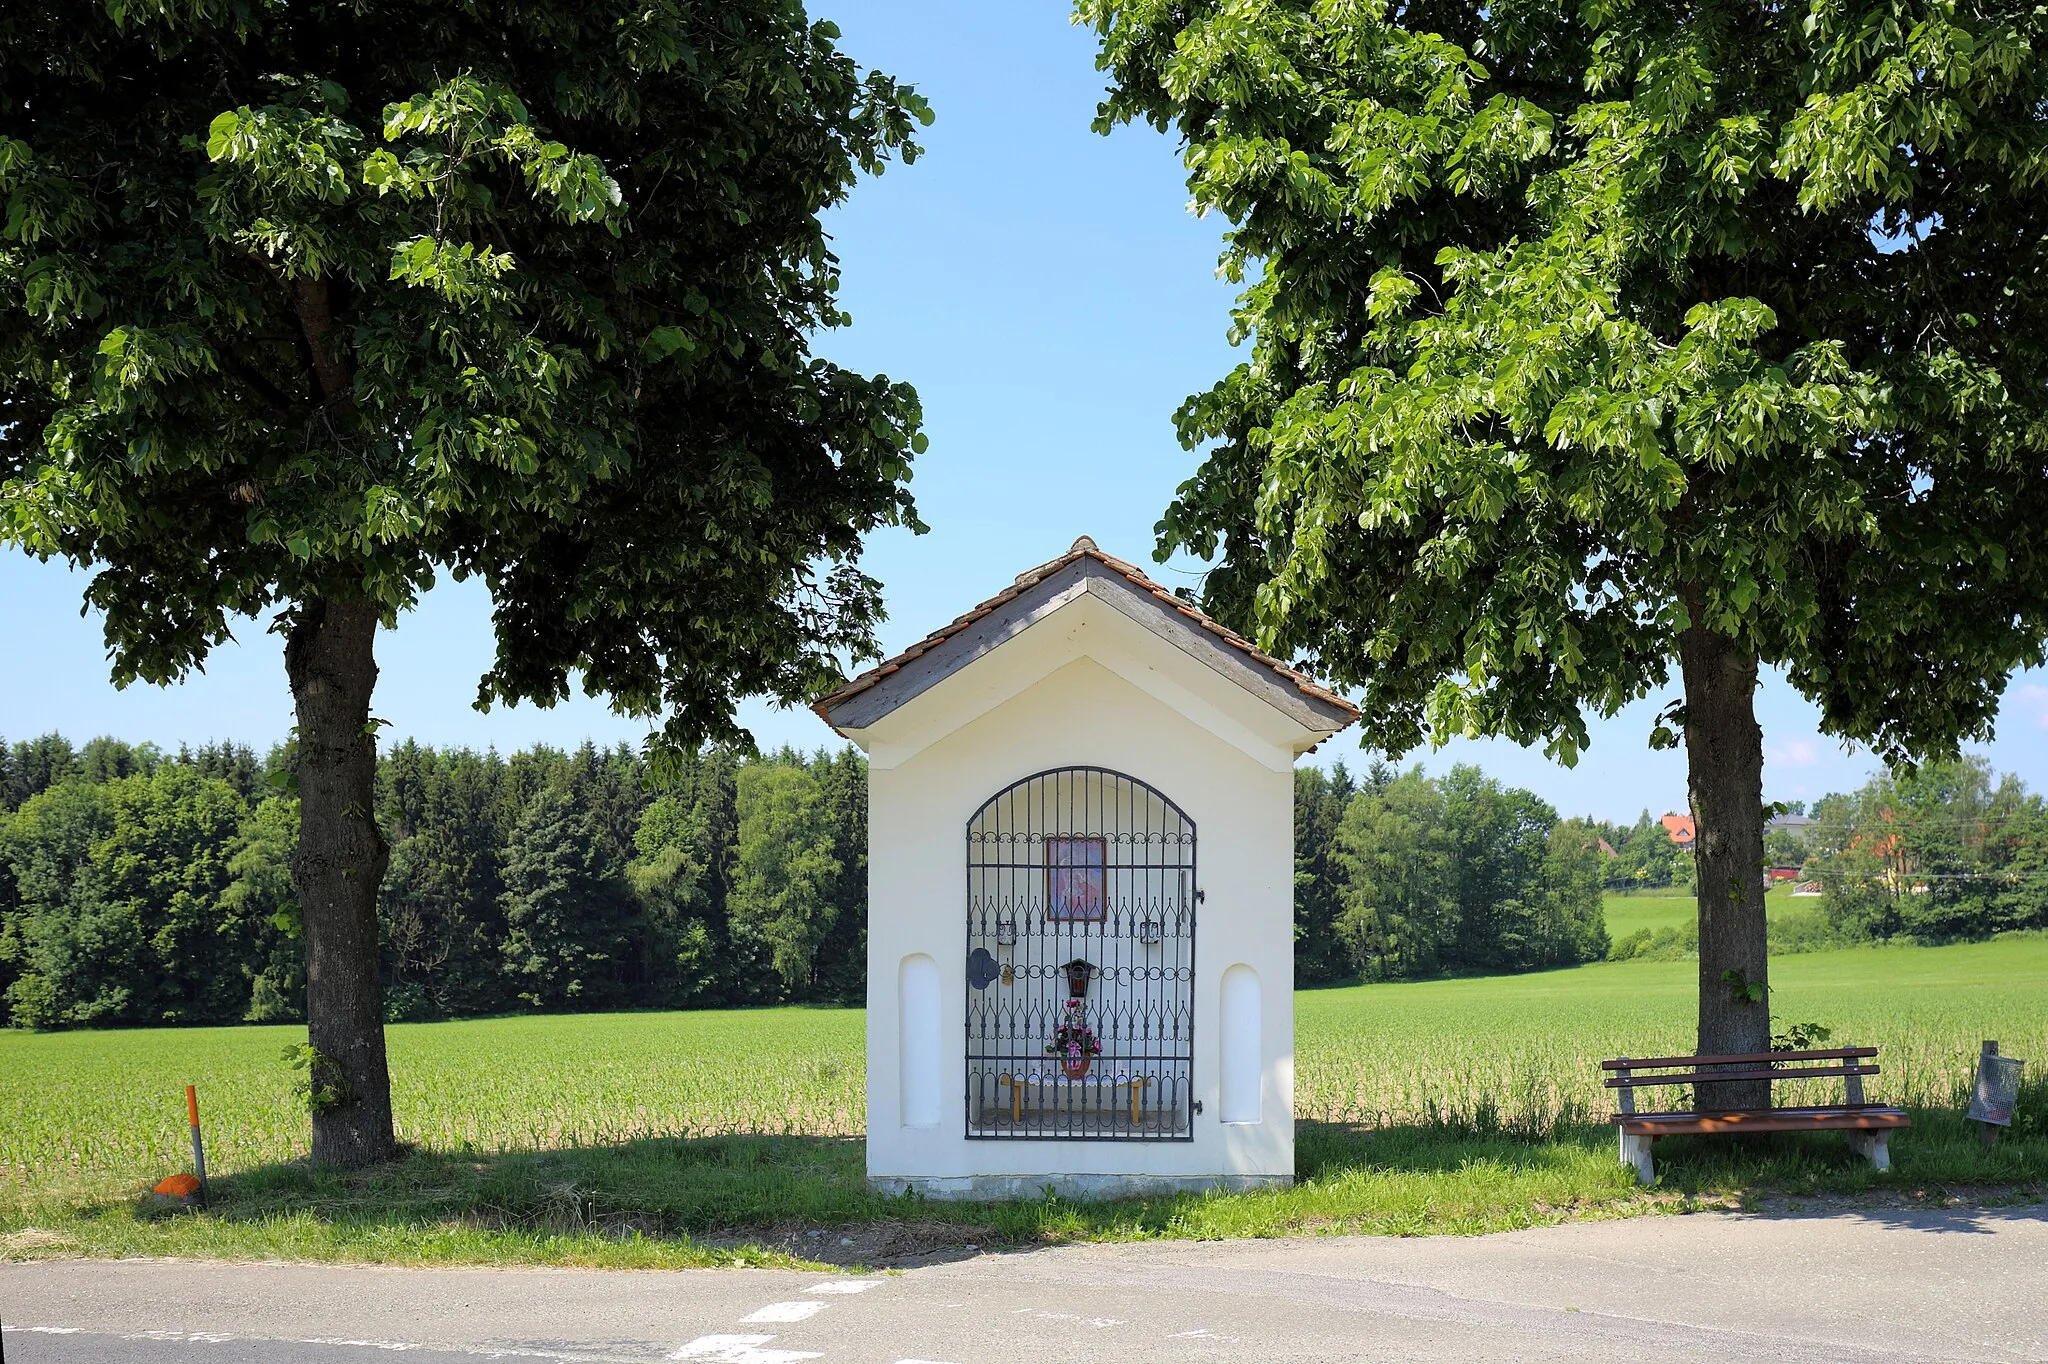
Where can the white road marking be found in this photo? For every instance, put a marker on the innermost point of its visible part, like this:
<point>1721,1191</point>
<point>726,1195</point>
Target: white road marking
<point>1037,1314</point>
<point>375,1344</point>
<point>796,1310</point>
<point>843,1286</point>
<point>739,1350</point>
<point>481,1351</point>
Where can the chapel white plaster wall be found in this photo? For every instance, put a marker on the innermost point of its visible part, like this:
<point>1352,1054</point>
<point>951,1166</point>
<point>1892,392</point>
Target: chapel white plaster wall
<point>1080,712</point>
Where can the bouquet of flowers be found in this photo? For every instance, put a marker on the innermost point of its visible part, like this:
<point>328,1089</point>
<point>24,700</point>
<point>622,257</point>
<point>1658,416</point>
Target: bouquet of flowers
<point>1073,1041</point>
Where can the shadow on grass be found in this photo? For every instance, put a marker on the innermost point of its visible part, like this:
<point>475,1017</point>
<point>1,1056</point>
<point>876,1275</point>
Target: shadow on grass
<point>675,1202</point>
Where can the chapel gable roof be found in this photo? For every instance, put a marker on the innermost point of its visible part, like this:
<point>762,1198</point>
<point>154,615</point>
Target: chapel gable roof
<point>1041,590</point>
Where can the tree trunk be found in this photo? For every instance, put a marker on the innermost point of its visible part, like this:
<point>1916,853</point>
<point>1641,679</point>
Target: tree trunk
<point>330,657</point>
<point>1725,769</point>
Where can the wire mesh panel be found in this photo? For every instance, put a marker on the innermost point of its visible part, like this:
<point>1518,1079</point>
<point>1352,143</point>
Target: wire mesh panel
<point>1080,961</point>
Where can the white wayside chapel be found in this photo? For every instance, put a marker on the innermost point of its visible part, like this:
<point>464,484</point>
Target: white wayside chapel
<point>1080,890</point>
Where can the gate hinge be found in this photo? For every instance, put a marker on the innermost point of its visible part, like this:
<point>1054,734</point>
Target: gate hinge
<point>1198,1105</point>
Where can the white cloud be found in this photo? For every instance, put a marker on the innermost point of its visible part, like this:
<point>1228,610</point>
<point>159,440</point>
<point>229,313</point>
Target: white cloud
<point>2032,699</point>
<point>1797,753</point>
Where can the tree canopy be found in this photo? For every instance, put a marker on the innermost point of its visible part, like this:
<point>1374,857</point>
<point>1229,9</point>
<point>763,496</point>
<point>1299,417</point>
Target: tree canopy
<point>1590,338</point>
<point>311,302</point>
<point>304,305</point>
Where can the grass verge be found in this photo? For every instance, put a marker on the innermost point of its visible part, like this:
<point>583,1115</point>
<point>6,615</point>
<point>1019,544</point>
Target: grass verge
<point>796,1201</point>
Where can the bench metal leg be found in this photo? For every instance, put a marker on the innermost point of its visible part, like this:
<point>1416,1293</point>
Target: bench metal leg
<point>1874,1147</point>
<point>1635,1152</point>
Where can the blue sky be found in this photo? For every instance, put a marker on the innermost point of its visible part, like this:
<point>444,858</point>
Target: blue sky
<point>1052,299</point>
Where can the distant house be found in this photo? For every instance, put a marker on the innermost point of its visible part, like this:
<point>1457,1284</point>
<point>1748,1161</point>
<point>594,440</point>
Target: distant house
<point>1680,829</point>
<point>1796,825</point>
<point>1607,849</point>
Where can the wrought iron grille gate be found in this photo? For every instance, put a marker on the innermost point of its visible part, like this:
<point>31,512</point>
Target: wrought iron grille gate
<point>1081,880</point>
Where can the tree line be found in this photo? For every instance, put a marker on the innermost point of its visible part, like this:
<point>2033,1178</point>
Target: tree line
<point>144,887</point>
<point>1399,874</point>
<point>1937,853</point>
<point>139,886</point>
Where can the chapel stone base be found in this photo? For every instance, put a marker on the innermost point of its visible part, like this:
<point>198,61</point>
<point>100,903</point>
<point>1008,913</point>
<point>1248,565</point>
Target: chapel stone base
<point>1080,1187</point>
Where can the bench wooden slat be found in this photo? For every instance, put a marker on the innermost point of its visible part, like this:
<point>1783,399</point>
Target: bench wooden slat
<point>1868,1126</point>
<point>1872,1118</point>
<point>1746,1058</point>
<point>1709,1076</point>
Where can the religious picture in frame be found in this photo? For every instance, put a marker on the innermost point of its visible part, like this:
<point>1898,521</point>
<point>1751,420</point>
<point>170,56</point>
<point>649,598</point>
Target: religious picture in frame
<point>1074,879</point>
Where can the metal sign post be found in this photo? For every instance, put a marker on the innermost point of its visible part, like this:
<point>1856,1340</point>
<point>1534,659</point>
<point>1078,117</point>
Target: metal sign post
<point>198,1146</point>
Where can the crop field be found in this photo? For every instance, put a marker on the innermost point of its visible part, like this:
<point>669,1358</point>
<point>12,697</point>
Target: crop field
<point>1523,1051</point>
<point>87,1107</point>
<point>88,1110</point>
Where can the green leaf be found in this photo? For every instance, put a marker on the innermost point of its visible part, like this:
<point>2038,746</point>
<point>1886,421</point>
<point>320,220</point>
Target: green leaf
<point>218,133</point>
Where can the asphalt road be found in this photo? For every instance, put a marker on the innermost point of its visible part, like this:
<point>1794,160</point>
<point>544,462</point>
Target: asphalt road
<point>1871,1285</point>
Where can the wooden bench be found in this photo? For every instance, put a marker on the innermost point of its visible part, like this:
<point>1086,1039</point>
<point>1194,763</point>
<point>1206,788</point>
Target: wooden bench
<point>1869,1125</point>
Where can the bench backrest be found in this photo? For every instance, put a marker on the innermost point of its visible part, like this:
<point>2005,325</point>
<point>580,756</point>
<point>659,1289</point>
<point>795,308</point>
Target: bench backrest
<point>1850,1063</point>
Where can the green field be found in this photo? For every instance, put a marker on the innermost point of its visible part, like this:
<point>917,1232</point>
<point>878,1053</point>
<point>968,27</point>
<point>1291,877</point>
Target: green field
<point>1455,1105</point>
<point>1672,908</point>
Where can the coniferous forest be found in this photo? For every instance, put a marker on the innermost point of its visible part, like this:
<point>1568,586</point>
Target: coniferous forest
<point>139,886</point>
<point>142,887</point>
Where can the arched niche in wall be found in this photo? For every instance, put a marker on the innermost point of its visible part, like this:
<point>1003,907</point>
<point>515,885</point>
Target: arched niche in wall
<point>1242,1046</point>
<point>917,1040</point>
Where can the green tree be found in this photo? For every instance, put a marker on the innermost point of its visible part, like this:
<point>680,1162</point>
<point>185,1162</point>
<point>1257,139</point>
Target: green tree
<point>1572,916</point>
<point>235,764</point>
<point>684,926</point>
<point>121,918</point>
<point>54,935</point>
<point>1499,839</point>
<point>440,909</point>
<point>262,901</point>
<point>2020,890</point>
<point>36,765</point>
<point>842,959</point>
<point>682,876</point>
<point>1593,343</point>
<point>1644,856</point>
<point>1394,855</point>
<point>785,871</point>
<point>1320,801</point>
<point>567,913</point>
<point>109,759</point>
<point>1935,852</point>
<point>302,305</point>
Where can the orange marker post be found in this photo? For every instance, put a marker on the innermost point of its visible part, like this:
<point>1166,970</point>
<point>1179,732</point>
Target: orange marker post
<point>198,1146</point>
